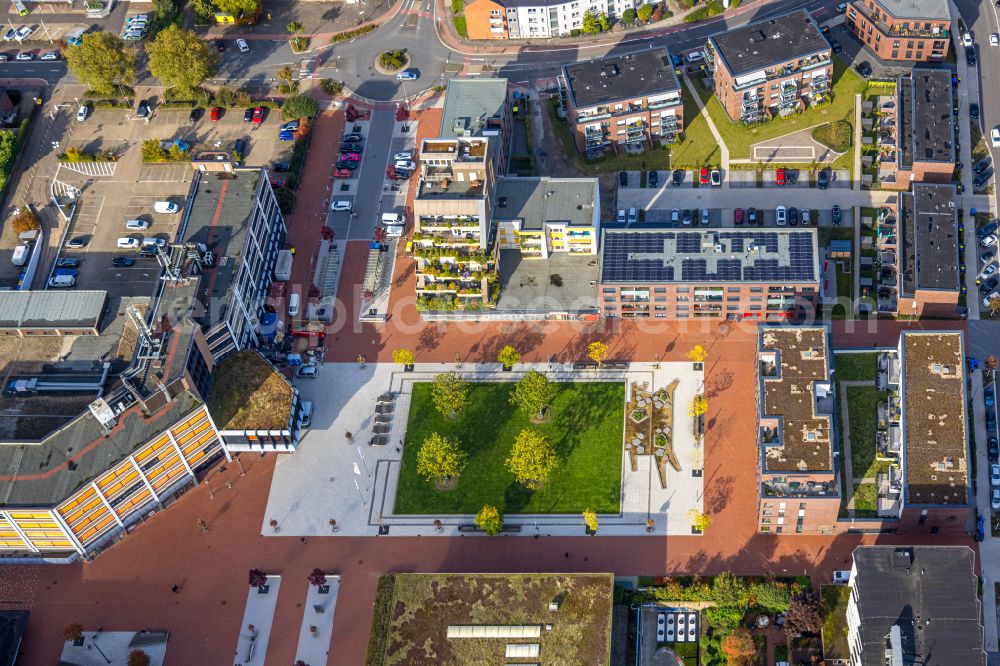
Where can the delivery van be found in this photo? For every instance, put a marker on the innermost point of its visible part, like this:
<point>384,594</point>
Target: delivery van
<point>293,305</point>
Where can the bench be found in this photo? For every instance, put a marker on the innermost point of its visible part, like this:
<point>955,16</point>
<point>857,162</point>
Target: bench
<point>506,529</point>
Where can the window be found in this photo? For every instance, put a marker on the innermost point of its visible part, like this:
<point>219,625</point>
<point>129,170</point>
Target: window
<point>756,290</point>
<point>733,290</point>
<point>683,290</point>
<point>659,290</point>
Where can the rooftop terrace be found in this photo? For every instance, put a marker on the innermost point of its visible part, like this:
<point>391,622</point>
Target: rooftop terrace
<point>934,419</point>
<point>796,389</point>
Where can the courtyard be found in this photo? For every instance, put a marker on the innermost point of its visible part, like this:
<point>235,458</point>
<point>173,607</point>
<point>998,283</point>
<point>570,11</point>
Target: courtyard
<point>585,429</point>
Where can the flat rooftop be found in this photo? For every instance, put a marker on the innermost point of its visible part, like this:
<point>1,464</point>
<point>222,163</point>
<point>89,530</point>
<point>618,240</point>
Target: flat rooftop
<point>930,594</point>
<point>475,619</point>
<point>911,9</point>
<point>57,308</point>
<point>771,42</point>
<point>563,282</point>
<point>631,255</point>
<point>430,190</point>
<point>248,393</point>
<point>219,214</point>
<point>926,117</point>
<point>621,77</point>
<point>72,358</point>
<point>791,395</point>
<point>473,106</point>
<point>540,201</point>
<point>929,255</point>
<point>46,473</point>
<point>934,419</point>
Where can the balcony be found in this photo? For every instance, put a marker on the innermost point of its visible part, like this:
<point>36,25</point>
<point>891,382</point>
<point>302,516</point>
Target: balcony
<point>799,488</point>
<point>936,32</point>
<point>665,104</point>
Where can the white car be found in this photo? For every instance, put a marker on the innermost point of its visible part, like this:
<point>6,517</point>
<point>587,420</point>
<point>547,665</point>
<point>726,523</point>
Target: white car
<point>988,271</point>
<point>995,474</point>
<point>83,112</point>
<point>136,225</point>
<point>406,76</point>
<point>138,18</point>
<point>166,207</point>
<point>25,55</point>
<point>154,242</point>
<point>781,214</point>
<point>307,371</point>
<point>994,39</point>
<point>995,137</point>
<point>341,205</point>
<point>633,216</point>
<point>404,156</point>
<point>966,39</point>
<point>405,165</point>
<point>242,45</point>
<point>10,34</point>
<point>23,33</point>
<point>986,301</point>
<point>995,499</point>
<point>393,230</point>
<point>129,243</point>
<point>621,216</point>
<point>989,240</point>
<point>50,55</point>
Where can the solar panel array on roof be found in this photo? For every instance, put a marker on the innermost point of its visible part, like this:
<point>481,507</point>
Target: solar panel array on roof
<point>708,256</point>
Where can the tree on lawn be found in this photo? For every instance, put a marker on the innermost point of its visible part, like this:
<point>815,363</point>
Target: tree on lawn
<point>25,220</point>
<point>590,518</point>
<point>236,8</point>
<point>590,25</point>
<point>508,356</point>
<point>440,458</point>
<point>532,459</point>
<point>644,12</point>
<point>628,16</point>
<point>402,356</point>
<point>995,305</point>
<point>597,352</point>
<point>533,393</point>
<point>102,63</point>
<point>698,406</point>
<point>804,614</point>
<point>696,353</point>
<point>181,59</point>
<point>450,393</point>
<point>490,520</point>
<point>739,647</point>
<point>699,520</point>
<point>138,658</point>
<point>73,632</point>
<point>728,589</point>
<point>299,106</point>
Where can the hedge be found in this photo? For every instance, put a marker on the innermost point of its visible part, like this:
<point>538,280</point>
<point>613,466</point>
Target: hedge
<point>351,34</point>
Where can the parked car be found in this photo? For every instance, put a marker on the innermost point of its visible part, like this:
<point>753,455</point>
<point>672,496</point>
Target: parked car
<point>195,115</point>
<point>242,45</point>
<point>83,112</point>
<point>995,137</point>
<point>77,243</point>
<point>793,216</point>
<point>247,115</point>
<point>716,178</point>
<point>738,216</point>
<point>354,157</point>
<point>991,418</point>
<point>678,176</point>
<point>633,216</point>
<point>987,286</point>
<point>988,271</point>
<point>864,68</point>
<point>258,115</point>
<point>791,176</point>
<point>68,262</point>
<point>653,179</point>
<point>347,164</point>
<point>970,56</point>
<point>983,164</point>
<point>994,39</point>
<point>128,243</point>
<point>751,216</point>
<point>835,45</point>
<point>987,258</point>
<point>220,45</point>
<point>974,111</point>
<point>989,240</point>
<point>350,137</point>
<point>703,177</point>
<point>989,396</point>
<point>981,179</point>
<point>143,110</point>
<point>781,215</point>
<point>50,55</point>
<point>675,217</point>
<point>351,147</point>
<point>806,217</point>
<point>341,205</point>
<point>988,228</point>
<point>289,126</point>
<point>836,214</point>
<point>995,499</point>
<point>166,207</point>
<point>405,165</point>
<point>216,113</point>
<point>704,216</point>
<point>406,155</point>
<point>122,262</point>
<point>136,225</point>
<point>23,33</point>
<point>779,177</point>
<point>25,55</point>
<point>993,449</point>
<point>621,216</point>
<point>686,218</point>
<point>966,38</point>
<point>987,299</point>
<point>994,474</point>
<point>823,179</point>
<point>10,34</point>
<point>286,136</point>
<point>623,179</point>
<point>406,75</point>
<point>307,371</point>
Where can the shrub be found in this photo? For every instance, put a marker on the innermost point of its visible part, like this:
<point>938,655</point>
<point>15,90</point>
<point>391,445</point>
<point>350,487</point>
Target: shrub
<point>724,618</point>
<point>628,16</point>
<point>294,27</point>
<point>25,220</point>
<point>729,589</point>
<point>351,34</point>
<point>300,44</point>
<point>644,12</point>
<point>391,60</point>
<point>286,200</point>
<point>331,87</point>
<point>299,106</point>
<point>138,658</point>
<point>152,151</point>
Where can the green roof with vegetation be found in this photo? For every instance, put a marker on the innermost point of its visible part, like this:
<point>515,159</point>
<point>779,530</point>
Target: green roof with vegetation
<point>249,394</point>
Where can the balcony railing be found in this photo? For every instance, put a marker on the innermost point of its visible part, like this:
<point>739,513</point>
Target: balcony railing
<point>896,31</point>
<point>603,113</point>
<point>665,104</point>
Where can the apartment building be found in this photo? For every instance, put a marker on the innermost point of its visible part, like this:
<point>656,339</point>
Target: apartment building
<point>798,480</point>
<point>714,273</point>
<point>930,281</point>
<point>480,108</point>
<point>536,19</point>
<point>902,29</point>
<point>914,605</point>
<point>918,145</point>
<point>771,67</point>
<point>629,101</point>
<point>540,217</point>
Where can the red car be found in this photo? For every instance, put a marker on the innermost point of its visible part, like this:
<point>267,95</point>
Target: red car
<point>703,177</point>
<point>258,115</point>
<point>738,216</point>
<point>215,113</point>
<point>352,157</point>
<point>779,177</point>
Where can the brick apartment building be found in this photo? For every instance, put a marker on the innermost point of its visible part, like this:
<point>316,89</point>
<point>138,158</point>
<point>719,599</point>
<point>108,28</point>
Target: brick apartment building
<point>713,273</point>
<point>902,29</point>
<point>771,67</point>
<point>626,101</point>
<point>918,145</point>
<point>536,19</point>
<point>929,278</point>
<point>798,485</point>
<point>924,485</point>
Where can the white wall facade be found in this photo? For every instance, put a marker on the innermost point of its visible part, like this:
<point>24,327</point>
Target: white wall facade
<point>559,19</point>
